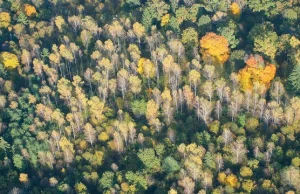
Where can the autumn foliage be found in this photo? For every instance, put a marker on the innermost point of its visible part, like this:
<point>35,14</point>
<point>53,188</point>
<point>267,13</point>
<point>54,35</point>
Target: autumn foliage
<point>9,60</point>
<point>256,71</point>
<point>29,10</point>
<point>214,48</point>
<point>235,9</point>
<point>4,19</point>
<point>165,20</point>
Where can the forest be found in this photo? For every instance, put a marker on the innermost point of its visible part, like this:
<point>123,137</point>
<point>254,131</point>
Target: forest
<point>149,96</point>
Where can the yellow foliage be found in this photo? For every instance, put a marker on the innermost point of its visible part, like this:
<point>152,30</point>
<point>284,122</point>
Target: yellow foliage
<point>232,181</point>
<point>222,178</point>
<point>290,192</point>
<point>66,144</point>
<point>82,144</point>
<point>165,20</point>
<point>172,191</point>
<point>125,187</point>
<point>140,68</point>
<point>256,71</point>
<point>23,178</point>
<point>214,48</point>
<point>248,185</point>
<point>235,8</point>
<point>294,42</point>
<point>9,60</point>
<point>29,10</point>
<point>246,172</point>
<point>266,184</point>
<point>103,136</point>
<point>4,19</point>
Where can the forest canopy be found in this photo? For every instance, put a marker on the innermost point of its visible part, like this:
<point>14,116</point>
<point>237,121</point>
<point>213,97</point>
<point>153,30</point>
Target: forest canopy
<point>149,96</point>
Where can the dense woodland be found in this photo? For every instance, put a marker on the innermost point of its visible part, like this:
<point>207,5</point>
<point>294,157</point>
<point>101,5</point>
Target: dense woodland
<point>150,96</point>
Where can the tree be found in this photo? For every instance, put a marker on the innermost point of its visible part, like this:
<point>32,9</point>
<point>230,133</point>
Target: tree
<point>256,71</point>
<point>4,145</point>
<point>29,10</point>
<point>194,79</point>
<point>135,84</point>
<point>139,31</point>
<point>294,78</point>
<point>266,42</point>
<point>123,77</point>
<point>59,22</point>
<point>133,3</point>
<point>188,184</point>
<point>5,19</point>
<point>265,6</point>
<point>189,37</point>
<point>149,159</point>
<point>107,180</point>
<point>238,152</point>
<point>148,17</point>
<point>170,165</point>
<point>203,109</point>
<point>214,48</point>
<point>235,9</point>
<point>9,60</point>
<point>80,188</point>
<point>86,37</point>
<point>90,133</point>
<point>290,176</point>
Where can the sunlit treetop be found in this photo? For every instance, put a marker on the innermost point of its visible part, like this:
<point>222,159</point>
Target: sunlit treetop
<point>4,19</point>
<point>235,8</point>
<point>9,60</point>
<point>29,10</point>
<point>256,71</point>
<point>215,48</point>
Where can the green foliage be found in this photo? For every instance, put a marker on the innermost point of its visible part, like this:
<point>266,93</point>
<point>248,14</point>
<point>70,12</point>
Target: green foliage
<point>133,3</point>
<point>189,37</point>
<point>22,18</point>
<point>107,180</point>
<point>170,165</point>
<point>139,107</point>
<point>79,73</point>
<point>4,145</point>
<point>136,179</point>
<point>265,6</point>
<point>294,78</point>
<point>209,161</point>
<point>18,161</point>
<point>242,120</point>
<point>148,17</point>
<point>229,32</point>
<point>174,25</point>
<point>149,159</point>
<point>265,39</point>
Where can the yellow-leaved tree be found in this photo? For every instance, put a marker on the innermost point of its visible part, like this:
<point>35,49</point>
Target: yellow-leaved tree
<point>4,19</point>
<point>235,9</point>
<point>9,60</point>
<point>214,48</point>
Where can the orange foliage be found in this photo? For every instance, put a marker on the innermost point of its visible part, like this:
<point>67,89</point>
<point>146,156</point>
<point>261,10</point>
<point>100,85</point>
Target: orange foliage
<point>29,10</point>
<point>256,71</point>
<point>235,8</point>
<point>215,48</point>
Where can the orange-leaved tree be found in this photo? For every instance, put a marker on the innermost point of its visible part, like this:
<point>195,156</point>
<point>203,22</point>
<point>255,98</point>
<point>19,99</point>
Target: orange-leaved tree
<point>29,10</point>
<point>235,9</point>
<point>256,71</point>
<point>214,48</point>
